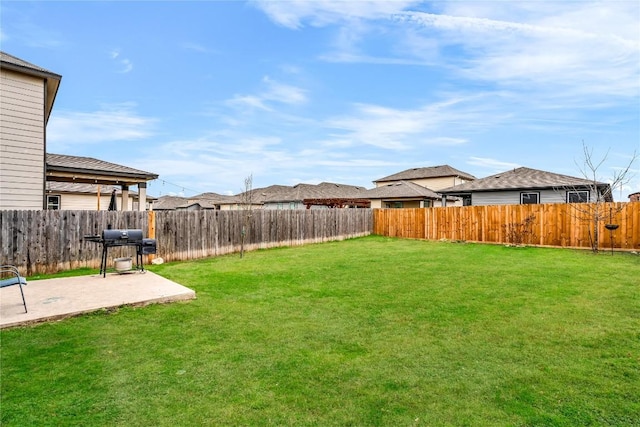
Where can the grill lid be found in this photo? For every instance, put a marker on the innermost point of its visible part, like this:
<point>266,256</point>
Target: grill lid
<point>122,235</point>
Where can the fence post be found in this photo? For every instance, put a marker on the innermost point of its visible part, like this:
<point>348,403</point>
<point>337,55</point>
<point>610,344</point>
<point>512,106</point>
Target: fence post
<point>151,230</point>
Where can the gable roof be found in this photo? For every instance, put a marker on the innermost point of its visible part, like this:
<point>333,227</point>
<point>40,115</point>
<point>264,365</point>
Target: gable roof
<point>61,167</point>
<point>427,172</point>
<point>169,202</point>
<point>523,179</point>
<point>10,62</point>
<point>324,190</point>
<point>401,190</point>
<point>215,198</point>
<point>259,195</point>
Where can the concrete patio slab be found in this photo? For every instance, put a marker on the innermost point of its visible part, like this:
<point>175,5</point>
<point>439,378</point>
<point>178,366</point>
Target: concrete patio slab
<point>53,299</point>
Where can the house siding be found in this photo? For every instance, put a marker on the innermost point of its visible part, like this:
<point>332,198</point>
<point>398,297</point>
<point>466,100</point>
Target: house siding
<point>436,184</point>
<point>22,147</point>
<point>512,197</point>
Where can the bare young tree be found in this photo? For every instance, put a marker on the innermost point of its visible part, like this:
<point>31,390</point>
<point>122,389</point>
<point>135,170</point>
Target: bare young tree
<point>596,212</point>
<point>246,203</point>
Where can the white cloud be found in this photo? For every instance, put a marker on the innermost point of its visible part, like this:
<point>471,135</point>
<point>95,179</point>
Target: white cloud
<point>112,123</point>
<point>224,159</point>
<point>196,47</point>
<point>356,163</point>
<point>125,64</point>
<point>22,28</point>
<point>396,129</point>
<point>283,93</point>
<point>274,92</point>
<point>293,14</point>
<point>547,47</point>
<point>218,163</point>
<point>576,50</point>
<point>379,126</point>
<point>350,57</point>
<point>250,101</point>
<point>445,140</point>
<point>493,164</point>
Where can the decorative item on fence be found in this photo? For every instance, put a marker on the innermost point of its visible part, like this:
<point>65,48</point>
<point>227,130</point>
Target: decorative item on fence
<point>611,227</point>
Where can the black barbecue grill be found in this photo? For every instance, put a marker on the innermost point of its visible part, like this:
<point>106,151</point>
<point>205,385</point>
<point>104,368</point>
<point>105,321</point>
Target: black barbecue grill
<point>114,238</point>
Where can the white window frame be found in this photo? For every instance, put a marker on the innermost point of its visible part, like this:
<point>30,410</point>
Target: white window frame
<point>578,192</point>
<point>54,206</point>
<point>530,193</point>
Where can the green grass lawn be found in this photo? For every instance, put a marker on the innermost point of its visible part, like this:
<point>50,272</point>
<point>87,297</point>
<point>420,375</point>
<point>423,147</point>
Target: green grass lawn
<point>364,332</point>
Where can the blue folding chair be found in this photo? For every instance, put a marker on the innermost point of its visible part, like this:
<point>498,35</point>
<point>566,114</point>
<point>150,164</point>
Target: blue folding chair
<point>15,279</point>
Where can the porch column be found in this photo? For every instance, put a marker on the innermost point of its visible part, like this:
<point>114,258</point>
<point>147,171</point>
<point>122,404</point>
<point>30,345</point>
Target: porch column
<point>444,201</point>
<point>125,198</point>
<point>142,196</point>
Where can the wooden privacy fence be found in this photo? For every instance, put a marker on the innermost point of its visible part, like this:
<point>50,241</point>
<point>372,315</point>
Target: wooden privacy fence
<point>49,241</point>
<point>560,224</point>
<point>197,234</point>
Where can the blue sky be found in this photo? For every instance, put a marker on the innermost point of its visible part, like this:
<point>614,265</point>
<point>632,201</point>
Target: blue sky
<point>206,93</point>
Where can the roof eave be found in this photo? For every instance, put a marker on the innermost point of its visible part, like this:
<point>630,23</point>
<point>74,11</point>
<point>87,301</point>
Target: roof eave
<point>85,171</point>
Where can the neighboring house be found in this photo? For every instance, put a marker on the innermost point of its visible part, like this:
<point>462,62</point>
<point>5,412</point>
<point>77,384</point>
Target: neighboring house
<point>529,186</point>
<point>402,194</point>
<point>72,196</point>
<point>211,201</point>
<point>309,196</point>
<point>169,203</point>
<point>300,196</point>
<point>217,201</point>
<point>258,196</point>
<point>28,93</point>
<point>87,170</point>
<point>432,177</point>
<point>634,197</point>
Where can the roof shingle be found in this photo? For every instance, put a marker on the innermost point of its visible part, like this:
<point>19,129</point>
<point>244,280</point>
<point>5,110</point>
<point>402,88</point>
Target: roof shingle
<point>427,172</point>
<point>401,189</point>
<point>520,178</point>
<point>169,202</point>
<point>63,162</point>
<point>13,60</point>
<point>324,190</point>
